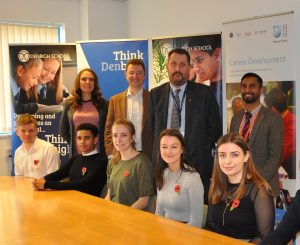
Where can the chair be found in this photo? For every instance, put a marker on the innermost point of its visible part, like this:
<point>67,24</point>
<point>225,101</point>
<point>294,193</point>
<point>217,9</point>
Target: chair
<point>205,207</point>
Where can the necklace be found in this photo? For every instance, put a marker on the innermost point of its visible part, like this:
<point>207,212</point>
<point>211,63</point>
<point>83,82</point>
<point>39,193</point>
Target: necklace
<point>86,100</point>
<point>177,187</point>
<point>176,182</point>
<point>230,199</point>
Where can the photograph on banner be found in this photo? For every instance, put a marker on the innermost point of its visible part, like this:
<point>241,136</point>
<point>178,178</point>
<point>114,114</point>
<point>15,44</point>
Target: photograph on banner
<point>264,45</point>
<point>109,58</point>
<point>41,79</point>
<point>279,97</point>
<point>206,60</point>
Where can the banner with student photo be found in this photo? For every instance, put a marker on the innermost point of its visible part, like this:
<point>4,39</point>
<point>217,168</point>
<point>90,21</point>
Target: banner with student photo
<point>265,45</point>
<point>41,78</point>
<point>108,59</point>
<point>206,60</point>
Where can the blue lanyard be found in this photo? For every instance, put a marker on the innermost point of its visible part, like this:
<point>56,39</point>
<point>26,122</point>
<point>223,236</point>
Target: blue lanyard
<point>178,104</point>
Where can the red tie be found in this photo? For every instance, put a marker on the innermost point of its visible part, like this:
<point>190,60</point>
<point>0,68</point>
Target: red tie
<point>248,116</point>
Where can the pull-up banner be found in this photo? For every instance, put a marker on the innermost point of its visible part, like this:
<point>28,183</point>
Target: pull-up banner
<point>108,59</point>
<point>42,76</point>
<point>206,60</point>
<point>265,45</point>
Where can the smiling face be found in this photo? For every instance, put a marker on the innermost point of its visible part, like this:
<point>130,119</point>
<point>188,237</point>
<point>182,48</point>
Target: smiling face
<point>28,77</point>
<point>122,138</point>
<point>250,90</point>
<point>86,141</point>
<point>49,70</point>
<point>87,83</point>
<point>231,161</point>
<point>135,76</point>
<point>178,69</point>
<point>27,133</point>
<point>171,151</point>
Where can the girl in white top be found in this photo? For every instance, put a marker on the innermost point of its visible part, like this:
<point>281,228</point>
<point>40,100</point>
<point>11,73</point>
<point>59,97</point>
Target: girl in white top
<point>179,187</point>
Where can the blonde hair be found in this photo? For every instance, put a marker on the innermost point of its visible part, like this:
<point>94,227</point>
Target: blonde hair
<point>116,156</point>
<point>25,119</point>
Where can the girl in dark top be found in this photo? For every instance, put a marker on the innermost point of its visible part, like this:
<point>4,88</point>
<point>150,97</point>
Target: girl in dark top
<point>240,201</point>
<point>86,171</point>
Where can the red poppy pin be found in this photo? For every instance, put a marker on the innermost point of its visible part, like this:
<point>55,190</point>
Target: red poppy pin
<point>126,173</point>
<point>83,170</point>
<point>235,204</point>
<point>177,188</point>
<point>36,162</point>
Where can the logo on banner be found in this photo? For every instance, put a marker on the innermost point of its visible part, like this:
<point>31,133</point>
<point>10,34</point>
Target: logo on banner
<point>277,31</point>
<point>23,55</point>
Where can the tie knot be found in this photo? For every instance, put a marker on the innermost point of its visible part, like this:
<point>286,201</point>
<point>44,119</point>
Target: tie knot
<point>248,115</point>
<point>177,91</point>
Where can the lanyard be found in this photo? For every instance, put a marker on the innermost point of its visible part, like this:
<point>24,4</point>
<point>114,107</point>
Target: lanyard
<point>179,104</point>
<point>250,126</point>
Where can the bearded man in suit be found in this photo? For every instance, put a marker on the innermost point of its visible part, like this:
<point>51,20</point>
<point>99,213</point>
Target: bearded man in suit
<point>192,108</point>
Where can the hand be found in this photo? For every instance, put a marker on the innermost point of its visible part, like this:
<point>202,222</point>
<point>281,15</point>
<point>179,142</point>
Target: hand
<point>38,184</point>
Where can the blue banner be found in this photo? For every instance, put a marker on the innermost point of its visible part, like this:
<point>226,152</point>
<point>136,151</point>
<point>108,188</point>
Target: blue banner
<point>108,60</point>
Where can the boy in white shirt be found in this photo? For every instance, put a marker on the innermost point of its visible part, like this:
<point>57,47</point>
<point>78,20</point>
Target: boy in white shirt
<point>34,158</point>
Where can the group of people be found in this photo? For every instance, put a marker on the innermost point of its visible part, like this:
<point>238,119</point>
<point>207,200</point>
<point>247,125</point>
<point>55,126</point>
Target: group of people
<point>166,143</point>
<point>37,82</point>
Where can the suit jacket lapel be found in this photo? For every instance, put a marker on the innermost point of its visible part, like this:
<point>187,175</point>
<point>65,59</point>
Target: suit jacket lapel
<point>145,107</point>
<point>259,120</point>
<point>165,103</point>
<point>238,122</point>
<point>188,106</point>
<point>123,104</point>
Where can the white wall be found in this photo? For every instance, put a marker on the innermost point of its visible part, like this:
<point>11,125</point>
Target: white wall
<point>55,11</point>
<point>107,19</point>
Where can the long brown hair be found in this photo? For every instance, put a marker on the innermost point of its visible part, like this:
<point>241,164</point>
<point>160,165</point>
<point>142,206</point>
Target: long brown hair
<point>76,99</point>
<point>116,156</point>
<point>218,187</point>
<point>162,165</point>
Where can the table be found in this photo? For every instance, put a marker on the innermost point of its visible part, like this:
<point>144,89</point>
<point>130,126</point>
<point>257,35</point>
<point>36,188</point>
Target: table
<point>72,217</point>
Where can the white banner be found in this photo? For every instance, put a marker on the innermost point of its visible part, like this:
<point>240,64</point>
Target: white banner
<point>265,45</point>
<point>261,45</point>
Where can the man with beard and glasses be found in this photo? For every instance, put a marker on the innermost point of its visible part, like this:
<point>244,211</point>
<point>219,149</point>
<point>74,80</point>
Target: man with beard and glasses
<point>190,107</point>
<point>261,128</point>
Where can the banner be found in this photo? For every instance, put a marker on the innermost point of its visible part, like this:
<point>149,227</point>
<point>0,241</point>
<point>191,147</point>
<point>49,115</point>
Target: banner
<point>265,46</point>
<point>206,60</point>
<point>41,78</point>
<point>108,59</point>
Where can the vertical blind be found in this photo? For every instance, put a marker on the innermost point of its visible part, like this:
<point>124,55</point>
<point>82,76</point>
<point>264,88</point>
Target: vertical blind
<point>17,34</point>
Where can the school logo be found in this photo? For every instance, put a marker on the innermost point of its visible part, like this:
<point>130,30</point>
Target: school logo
<point>23,55</point>
<point>277,31</point>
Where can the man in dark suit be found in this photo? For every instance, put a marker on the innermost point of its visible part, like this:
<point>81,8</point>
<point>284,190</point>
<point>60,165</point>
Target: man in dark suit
<point>288,227</point>
<point>262,128</point>
<point>131,104</point>
<point>197,111</point>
